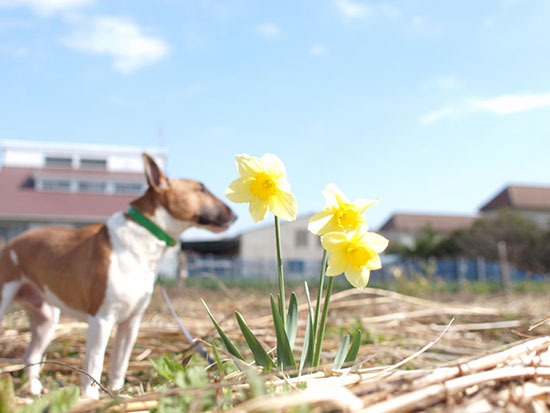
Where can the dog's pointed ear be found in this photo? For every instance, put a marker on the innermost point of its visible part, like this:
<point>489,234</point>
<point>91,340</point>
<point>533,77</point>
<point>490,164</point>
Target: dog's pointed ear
<point>155,177</point>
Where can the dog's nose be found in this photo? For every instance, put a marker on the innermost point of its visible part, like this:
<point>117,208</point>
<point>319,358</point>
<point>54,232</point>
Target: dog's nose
<point>233,216</point>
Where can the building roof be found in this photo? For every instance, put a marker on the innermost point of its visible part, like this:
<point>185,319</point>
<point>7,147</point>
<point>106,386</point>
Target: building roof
<point>520,197</point>
<point>19,200</point>
<point>416,222</point>
<point>82,148</point>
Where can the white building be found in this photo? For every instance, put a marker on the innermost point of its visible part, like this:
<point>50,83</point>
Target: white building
<point>46,183</point>
<point>302,251</point>
<point>533,202</point>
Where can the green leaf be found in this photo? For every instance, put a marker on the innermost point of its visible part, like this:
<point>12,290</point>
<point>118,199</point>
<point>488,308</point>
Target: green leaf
<point>7,395</point>
<point>309,342</point>
<point>292,320</point>
<point>226,341</point>
<point>354,349</point>
<point>260,355</point>
<point>167,367</point>
<point>257,385</point>
<point>284,352</point>
<point>341,353</point>
<point>218,360</point>
<point>58,401</point>
<point>309,336</point>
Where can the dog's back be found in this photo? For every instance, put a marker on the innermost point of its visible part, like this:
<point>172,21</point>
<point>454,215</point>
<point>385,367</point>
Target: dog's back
<point>53,260</point>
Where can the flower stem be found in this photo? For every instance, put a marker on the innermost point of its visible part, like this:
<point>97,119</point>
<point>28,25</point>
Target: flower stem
<point>320,292</point>
<point>282,299</point>
<point>322,324</point>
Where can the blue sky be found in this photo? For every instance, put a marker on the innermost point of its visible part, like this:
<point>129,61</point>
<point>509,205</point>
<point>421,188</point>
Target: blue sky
<point>433,106</point>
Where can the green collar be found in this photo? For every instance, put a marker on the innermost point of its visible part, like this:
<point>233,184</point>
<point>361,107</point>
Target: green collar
<point>151,226</point>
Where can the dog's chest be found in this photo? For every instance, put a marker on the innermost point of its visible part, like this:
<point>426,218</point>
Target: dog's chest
<point>134,260</point>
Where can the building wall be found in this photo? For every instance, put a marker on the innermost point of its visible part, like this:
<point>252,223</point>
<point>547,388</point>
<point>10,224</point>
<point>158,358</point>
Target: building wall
<point>405,238</point>
<point>301,249</point>
<point>118,158</point>
<point>541,218</point>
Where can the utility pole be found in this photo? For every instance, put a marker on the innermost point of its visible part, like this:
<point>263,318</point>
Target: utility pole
<point>504,267</point>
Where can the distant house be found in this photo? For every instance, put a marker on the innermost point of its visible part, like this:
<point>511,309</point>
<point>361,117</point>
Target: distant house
<point>67,184</point>
<point>403,228</point>
<point>253,253</point>
<point>531,201</point>
<point>302,250</point>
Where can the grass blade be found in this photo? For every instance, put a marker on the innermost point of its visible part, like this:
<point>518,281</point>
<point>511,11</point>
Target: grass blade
<point>226,341</point>
<point>285,358</point>
<point>309,344</point>
<point>260,355</point>
<point>354,349</point>
<point>292,320</point>
<point>341,353</point>
<point>218,360</point>
<point>309,337</point>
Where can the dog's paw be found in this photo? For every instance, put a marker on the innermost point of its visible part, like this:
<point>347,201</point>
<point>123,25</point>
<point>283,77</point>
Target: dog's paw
<point>35,387</point>
<point>91,391</point>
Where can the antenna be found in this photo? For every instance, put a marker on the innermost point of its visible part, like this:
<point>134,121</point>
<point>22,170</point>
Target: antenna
<point>160,136</point>
<point>161,143</point>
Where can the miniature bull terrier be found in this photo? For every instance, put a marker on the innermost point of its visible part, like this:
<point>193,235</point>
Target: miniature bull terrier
<point>104,273</point>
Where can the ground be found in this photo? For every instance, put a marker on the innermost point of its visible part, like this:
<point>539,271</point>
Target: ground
<point>395,327</point>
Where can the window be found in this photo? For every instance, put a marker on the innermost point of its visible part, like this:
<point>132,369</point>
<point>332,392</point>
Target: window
<point>86,163</point>
<point>56,185</point>
<point>3,235</point>
<point>301,238</point>
<point>128,188</point>
<point>59,162</point>
<point>295,266</point>
<point>92,186</point>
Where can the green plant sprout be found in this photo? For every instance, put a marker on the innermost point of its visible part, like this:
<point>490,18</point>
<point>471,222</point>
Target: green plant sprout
<point>348,248</point>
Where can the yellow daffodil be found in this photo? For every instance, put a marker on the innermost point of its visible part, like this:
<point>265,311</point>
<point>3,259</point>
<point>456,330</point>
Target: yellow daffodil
<point>339,214</point>
<point>355,254</point>
<point>263,183</point>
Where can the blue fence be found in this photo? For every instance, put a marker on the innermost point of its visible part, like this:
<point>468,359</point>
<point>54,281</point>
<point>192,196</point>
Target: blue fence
<point>454,270</point>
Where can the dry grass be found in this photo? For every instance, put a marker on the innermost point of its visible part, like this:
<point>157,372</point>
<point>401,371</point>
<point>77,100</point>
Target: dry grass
<point>408,362</point>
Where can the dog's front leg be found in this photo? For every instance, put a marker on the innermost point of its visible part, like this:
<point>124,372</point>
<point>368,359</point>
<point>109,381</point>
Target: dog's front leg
<point>125,339</point>
<point>98,336</point>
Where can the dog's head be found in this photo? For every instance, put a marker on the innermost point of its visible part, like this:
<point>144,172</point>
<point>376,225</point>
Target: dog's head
<point>185,200</point>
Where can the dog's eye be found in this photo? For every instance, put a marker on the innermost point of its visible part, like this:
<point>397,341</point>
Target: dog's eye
<point>201,188</point>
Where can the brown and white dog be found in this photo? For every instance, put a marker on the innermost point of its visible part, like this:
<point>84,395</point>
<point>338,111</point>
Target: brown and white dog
<point>102,273</point>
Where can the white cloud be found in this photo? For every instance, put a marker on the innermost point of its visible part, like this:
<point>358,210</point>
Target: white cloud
<point>501,105</point>
<point>418,21</point>
<point>437,115</point>
<point>268,30</point>
<point>441,84</point>
<point>353,9</point>
<point>121,39</point>
<point>511,103</point>
<point>194,89</point>
<point>318,49</point>
<point>46,7</point>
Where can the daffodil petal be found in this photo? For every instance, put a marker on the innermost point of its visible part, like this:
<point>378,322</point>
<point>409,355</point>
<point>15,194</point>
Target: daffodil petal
<point>283,205</point>
<point>248,166</point>
<point>239,191</point>
<point>283,184</point>
<point>330,199</point>
<point>334,241</point>
<point>363,204</point>
<point>374,262</point>
<point>375,241</point>
<point>358,277</point>
<point>336,264</point>
<point>258,209</point>
<point>357,235</point>
<point>319,221</point>
<point>273,165</point>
